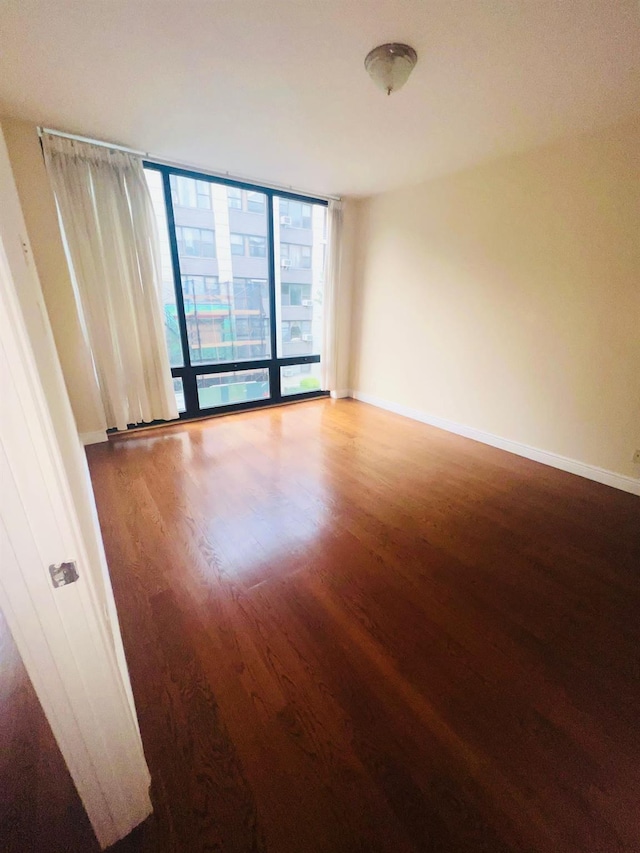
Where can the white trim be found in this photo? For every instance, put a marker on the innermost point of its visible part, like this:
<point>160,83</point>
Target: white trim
<point>340,395</point>
<point>94,437</point>
<point>564,463</point>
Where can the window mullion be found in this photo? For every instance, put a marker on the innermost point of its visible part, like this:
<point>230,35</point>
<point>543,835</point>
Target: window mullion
<point>189,384</point>
<point>274,370</point>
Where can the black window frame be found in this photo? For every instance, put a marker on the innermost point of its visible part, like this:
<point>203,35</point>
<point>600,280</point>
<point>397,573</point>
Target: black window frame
<point>189,372</point>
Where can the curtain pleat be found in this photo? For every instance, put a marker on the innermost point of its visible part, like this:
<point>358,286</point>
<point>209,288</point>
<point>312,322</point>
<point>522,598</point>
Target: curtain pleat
<point>112,246</point>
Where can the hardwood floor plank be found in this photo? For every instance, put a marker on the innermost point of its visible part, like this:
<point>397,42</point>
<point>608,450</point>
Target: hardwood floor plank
<point>39,806</point>
<point>348,631</point>
<point>414,641</point>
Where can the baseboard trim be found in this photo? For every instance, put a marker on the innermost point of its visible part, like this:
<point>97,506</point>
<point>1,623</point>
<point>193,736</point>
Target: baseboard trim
<point>340,395</point>
<point>93,437</point>
<point>573,466</point>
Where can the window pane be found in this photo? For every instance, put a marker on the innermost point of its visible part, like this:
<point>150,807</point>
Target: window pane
<point>299,272</point>
<point>235,198</point>
<point>300,379</point>
<point>200,286</point>
<point>183,191</point>
<point>224,277</point>
<point>195,242</point>
<point>207,243</point>
<point>256,202</point>
<point>225,389</point>
<point>204,195</point>
<point>258,247</point>
<point>178,390</point>
<point>295,294</point>
<point>295,255</point>
<point>171,327</point>
<point>295,214</point>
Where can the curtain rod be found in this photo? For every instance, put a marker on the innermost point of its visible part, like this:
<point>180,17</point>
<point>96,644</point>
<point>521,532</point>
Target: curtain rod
<point>99,142</point>
<point>188,167</point>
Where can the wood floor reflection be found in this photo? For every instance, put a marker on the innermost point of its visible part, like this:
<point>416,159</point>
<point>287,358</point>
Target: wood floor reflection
<point>348,631</point>
<point>40,809</point>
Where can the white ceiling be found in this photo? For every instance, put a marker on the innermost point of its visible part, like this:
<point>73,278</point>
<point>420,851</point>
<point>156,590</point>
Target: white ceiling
<point>276,89</point>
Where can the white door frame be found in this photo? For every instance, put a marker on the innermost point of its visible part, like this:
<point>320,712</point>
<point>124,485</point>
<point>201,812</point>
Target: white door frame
<point>68,637</point>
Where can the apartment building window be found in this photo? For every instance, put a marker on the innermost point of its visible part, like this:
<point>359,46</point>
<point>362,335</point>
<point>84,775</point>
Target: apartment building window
<point>295,214</point>
<point>249,328</point>
<point>204,195</point>
<point>201,285</point>
<point>186,192</point>
<point>295,256</point>
<point>249,244</point>
<point>257,247</point>
<point>234,341</point>
<point>234,198</point>
<point>237,244</point>
<point>255,202</point>
<point>195,242</point>
<point>296,294</point>
<point>250,293</point>
<point>296,330</point>
<point>249,201</point>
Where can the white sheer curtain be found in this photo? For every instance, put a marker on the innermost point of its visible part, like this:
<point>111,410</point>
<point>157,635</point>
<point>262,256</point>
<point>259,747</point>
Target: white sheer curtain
<point>328,364</point>
<point>110,234</point>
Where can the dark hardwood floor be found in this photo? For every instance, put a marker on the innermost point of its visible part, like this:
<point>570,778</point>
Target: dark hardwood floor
<point>40,810</point>
<point>348,631</point>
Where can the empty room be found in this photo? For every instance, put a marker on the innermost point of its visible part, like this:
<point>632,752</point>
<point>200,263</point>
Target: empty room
<point>320,426</point>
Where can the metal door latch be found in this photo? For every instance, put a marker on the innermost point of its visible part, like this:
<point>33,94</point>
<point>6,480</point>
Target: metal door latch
<point>63,573</point>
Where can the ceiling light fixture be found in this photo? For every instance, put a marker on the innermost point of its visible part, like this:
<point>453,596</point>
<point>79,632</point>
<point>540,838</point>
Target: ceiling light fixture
<point>389,65</point>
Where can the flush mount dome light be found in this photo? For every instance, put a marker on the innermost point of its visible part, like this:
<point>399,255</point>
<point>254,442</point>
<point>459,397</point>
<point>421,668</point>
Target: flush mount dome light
<point>390,65</point>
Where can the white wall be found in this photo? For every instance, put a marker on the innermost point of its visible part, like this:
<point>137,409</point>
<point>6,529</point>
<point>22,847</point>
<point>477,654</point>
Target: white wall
<point>507,298</point>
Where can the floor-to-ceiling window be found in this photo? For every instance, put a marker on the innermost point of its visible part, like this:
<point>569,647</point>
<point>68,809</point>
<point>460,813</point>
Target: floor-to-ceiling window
<point>242,281</point>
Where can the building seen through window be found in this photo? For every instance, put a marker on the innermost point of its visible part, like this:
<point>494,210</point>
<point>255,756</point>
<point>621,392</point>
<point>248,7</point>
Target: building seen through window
<point>223,243</point>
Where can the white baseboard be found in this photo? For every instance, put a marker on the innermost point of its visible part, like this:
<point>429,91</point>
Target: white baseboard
<point>93,437</point>
<point>339,395</point>
<point>573,466</point>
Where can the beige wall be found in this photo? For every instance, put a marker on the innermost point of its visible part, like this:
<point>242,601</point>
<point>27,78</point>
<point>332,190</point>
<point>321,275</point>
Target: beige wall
<point>38,207</point>
<point>507,298</point>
